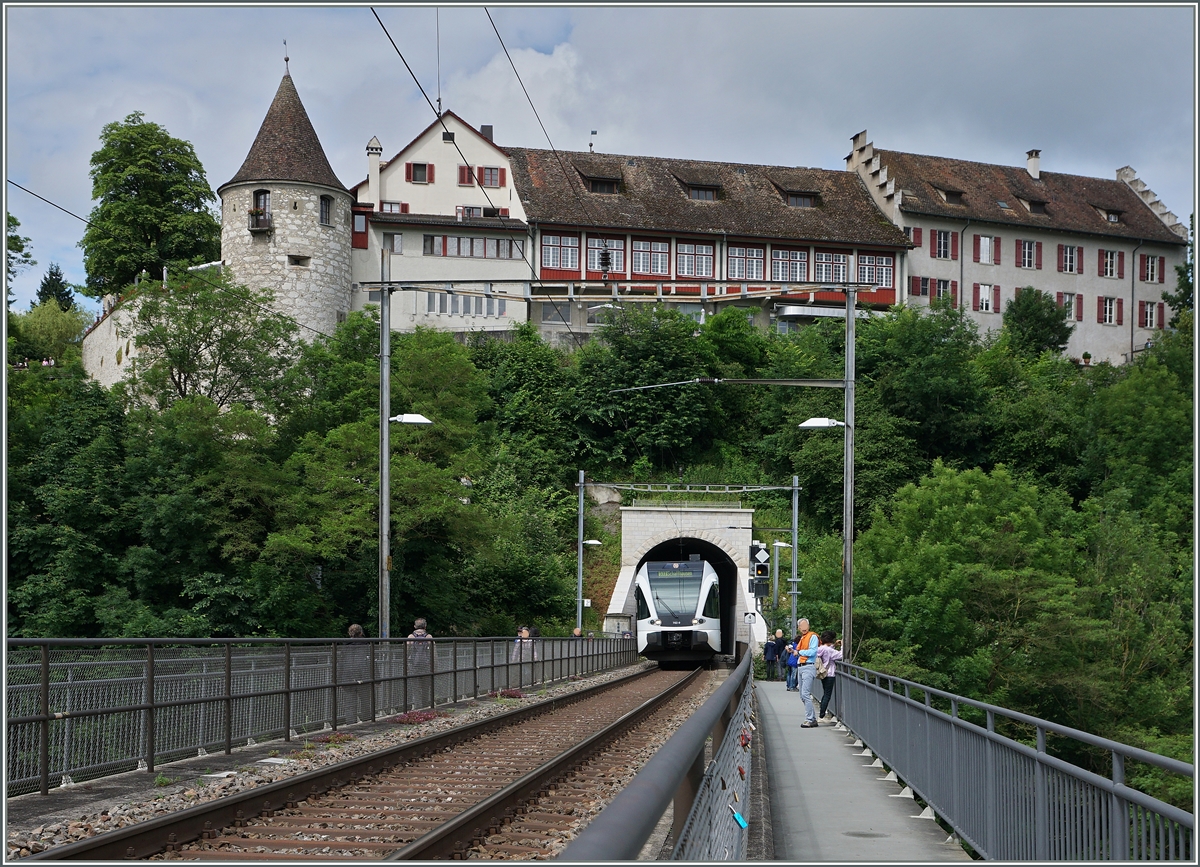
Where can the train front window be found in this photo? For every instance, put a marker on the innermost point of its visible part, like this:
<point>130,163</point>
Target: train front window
<point>675,588</point>
<point>643,610</point>
<point>712,605</point>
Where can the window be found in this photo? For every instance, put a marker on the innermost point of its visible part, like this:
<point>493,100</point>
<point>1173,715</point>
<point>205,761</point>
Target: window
<point>1069,257</point>
<point>602,186</point>
<point>703,194</point>
<point>454,305</point>
<point>478,305</point>
<point>326,210</point>
<point>616,254</point>
<point>262,201</point>
<point>360,222</point>
<point>390,207</point>
<point>447,136</point>
<point>984,254</point>
<point>712,604</point>
<point>466,176</point>
<point>941,242</point>
<point>300,261</point>
<point>1108,311</point>
<point>920,286</point>
<point>1037,207</point>
<point>1150,271</point>
<point>652,257</point>
<point>953,197</point>
<point>830,268</point>
<point>941,288</point>
<point>557,312</point>
<point>442,303</point>
<point>876,269</point>
<point>983,297</point>
<point>1113,216</point>
<point>1150,314</point>
<point>746,263</point>
<point>467,212</point>
<point>393,243</point>
<point>789,266</point>
<point>1026,253</point>
<point>801,200</point>
<point>643,610</point>
<point>693,260</point>
<point>560,251</point>
<point>490,176</point>
<point>472,248</point>
<point>431,302</point>
<point>418,173</point>
<point>1109,263</point>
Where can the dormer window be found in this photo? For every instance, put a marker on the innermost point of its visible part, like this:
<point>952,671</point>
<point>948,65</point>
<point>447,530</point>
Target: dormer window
<point>801,200</point>
<point>1037,207</point>
<point>953,197</point>
<point>703,194</point>
<point>1113,216</point>
<point>604,186</point>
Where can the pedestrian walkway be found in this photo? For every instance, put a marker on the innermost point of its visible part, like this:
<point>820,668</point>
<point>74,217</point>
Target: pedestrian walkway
<point>827,803</point>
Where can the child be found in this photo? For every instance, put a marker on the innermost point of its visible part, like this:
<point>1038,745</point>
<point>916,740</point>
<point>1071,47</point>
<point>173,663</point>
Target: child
<point>793,660</point>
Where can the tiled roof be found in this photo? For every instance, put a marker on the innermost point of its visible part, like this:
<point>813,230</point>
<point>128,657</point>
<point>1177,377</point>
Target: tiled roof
<point>653,196</point>
<point>286,147</point>
<point>1071,200</point>
<point>504,223</point>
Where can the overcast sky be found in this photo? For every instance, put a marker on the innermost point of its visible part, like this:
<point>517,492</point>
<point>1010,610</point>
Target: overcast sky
<point>1094,88</point>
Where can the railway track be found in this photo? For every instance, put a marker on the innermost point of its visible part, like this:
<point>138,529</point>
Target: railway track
<point>442,796</point>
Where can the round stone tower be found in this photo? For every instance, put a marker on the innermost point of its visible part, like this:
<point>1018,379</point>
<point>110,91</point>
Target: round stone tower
<point>285,219</point>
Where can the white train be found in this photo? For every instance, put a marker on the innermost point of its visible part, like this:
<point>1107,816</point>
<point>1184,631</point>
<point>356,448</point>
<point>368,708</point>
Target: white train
<point>678,610</point>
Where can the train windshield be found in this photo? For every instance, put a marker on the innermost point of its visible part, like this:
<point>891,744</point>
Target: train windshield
<point>675,587</point>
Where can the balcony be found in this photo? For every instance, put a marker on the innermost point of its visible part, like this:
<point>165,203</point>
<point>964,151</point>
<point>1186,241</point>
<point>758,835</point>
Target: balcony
<point>260,222</point>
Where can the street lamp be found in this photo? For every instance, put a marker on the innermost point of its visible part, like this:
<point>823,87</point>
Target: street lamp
<point>579,582</point>
<point>847,514</point>
<point>775,577</point>
<point>385,507</point>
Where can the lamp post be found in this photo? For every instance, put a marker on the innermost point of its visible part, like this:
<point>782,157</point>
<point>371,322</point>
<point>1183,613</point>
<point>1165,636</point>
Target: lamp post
<point>579,561</point>
<point>385,508</point>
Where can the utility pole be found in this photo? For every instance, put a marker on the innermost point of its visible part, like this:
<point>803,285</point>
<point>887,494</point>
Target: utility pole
<point>385,481</point>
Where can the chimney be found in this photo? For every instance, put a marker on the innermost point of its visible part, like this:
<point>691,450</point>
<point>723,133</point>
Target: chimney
<point>374,152</point>
<point>1033,163</point>
<point>486,131</point>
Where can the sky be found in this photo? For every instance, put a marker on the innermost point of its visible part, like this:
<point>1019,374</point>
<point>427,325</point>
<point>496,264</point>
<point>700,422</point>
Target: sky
<point>1095,88</point>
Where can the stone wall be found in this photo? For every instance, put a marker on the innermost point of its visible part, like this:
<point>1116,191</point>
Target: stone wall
<point>108,347</point>
<point>305,262</point>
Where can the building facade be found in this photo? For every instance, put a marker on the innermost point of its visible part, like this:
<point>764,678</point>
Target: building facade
<point>1104,249</point>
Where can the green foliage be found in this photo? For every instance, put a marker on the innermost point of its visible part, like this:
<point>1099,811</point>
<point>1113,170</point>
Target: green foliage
<point>1035,324</point>
<point>17,255</point>
<point>1183,299</point>
<point>55,288</point>
<point>48,331</point>
<point>153,207</point>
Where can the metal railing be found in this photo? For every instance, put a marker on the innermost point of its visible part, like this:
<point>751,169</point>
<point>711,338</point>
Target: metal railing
<point>676,774</point>
<point>1009,800</point>
<point>83,708</point>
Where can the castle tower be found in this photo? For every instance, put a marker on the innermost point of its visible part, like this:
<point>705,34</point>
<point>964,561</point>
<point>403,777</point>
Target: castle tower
<point>285,219</point>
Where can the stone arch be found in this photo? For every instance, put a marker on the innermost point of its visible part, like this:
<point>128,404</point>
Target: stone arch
<point>707,535</point>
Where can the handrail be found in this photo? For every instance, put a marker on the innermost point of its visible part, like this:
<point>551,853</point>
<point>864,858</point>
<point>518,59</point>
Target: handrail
<point>1135,753</point>
<point>624,826</point>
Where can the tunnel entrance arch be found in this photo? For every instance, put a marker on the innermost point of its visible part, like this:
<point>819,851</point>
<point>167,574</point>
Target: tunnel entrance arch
<point>682,548</point>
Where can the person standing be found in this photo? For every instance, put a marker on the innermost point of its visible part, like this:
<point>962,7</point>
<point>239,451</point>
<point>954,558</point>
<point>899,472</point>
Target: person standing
<point>790,661</point>
<point>829,652</point>
<point>806,666</point>
<point>354,670</point>
<point>770,655</point>
<point>420,656</point>
<point>781,657</point>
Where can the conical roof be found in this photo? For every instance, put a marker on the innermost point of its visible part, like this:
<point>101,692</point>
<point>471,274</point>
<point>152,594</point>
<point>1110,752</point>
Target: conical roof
<point>286,147</point>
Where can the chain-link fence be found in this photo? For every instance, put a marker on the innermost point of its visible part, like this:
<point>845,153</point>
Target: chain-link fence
<point>79,709</point>
<point>715,829</point>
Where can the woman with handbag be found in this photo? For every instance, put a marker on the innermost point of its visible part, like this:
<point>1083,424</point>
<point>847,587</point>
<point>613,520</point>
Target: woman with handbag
<point>828,654</point>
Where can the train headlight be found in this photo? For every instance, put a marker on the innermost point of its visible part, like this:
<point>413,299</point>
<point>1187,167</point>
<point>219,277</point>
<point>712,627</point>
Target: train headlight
<point>694,621</point>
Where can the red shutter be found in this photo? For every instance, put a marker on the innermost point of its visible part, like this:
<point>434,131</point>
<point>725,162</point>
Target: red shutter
<point>1142,267</point>
<point>408,172</point>
<point>916,287</point>
<point>1141,314</point>
<point>996,250</point>
<point>996,298</point>
<point>503,177</point>
<point>1162,268</point>
<point>404,207</point>
<point>954,294</point>
<point>975,294</point>
<point>1162,312</point>
<point>1060,265</point>
<point>1017,254</point>
<point>933,243</point>
<point>479,175</point>
<point>1099,263</point>
<point>1079,307</point>
<point>1037,255</point>
<point>1058,295</point>
<point>975,245</point>
<point>1079,260</point>
<point>462,175</point>
<point>954,246</point>
<point>1120,266</point>
<point>917,235</point>
<point>1120,311</point>
<point>1100,309</point>
<point>503,211</point>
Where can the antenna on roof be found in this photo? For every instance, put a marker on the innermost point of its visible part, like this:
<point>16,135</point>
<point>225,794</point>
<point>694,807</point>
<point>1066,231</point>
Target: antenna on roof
<point>286,71</point>
<point>590,149</point>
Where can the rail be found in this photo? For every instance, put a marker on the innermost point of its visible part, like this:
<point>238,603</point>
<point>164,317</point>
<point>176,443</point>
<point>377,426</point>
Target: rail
<point>675,773</point>
<point>1010,800</point>
<point>83,708</point>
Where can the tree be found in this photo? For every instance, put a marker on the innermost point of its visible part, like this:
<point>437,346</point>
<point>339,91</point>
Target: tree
<point>1036,324</point>
<point>48,331</point>
<point>1182,298</point>
<point>153,206</point>
<point>17,255</point>
<point>55,288</point>
<point>203,335</point>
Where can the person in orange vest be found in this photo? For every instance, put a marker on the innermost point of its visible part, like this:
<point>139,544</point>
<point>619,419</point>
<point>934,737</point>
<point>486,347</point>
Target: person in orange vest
<point>807,643</point>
